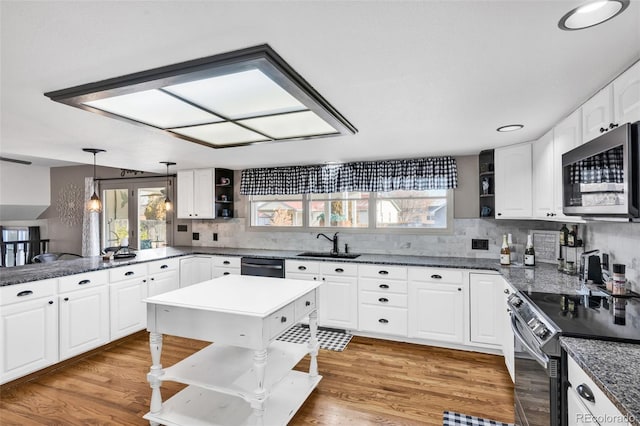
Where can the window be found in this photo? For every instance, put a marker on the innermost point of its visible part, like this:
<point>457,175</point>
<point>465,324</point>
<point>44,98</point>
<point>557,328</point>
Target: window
<point>396,211</point>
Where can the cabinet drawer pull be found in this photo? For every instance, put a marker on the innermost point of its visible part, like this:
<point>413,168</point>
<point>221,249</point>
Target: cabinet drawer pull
<point>128,273</point>
<point>283,319</point>
<point>24,293</point>
<point>459,289</point>
<point>226,262</point>
<point>307,303</point>
<point>383,321</point>
<point>83,282</point>
<point>383,300</point>
<point>302,268</point>
<point>383,272</point>
<point>51,302</point>
<point>66,299</point>
<point>340,270</point>
<point>164,266</point>
<point>585,392</point>
<point>436,277</point>
<point>384,286</point>
<point>226,273</point>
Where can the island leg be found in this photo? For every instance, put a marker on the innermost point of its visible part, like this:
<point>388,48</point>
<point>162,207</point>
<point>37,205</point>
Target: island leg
<point>313,343</point>
<point>259,365</point>
<point>153,377</point>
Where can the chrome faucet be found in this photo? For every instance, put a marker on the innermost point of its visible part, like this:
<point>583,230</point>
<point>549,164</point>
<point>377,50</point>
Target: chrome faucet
<point>334,240</point>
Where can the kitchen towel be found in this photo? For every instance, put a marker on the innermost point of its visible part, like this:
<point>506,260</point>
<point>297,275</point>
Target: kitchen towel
<point>328,339</point>
<point>452,418</point>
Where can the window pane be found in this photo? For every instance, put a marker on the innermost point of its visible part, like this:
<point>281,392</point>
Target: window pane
<point>340,210</point>
<point>277,212</point>
<point>116,216</point>
<point>152,218</point>
<point>412,213</point>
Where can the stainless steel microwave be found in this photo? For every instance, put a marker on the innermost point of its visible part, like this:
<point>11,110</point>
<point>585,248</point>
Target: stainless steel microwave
<point>601,178</point>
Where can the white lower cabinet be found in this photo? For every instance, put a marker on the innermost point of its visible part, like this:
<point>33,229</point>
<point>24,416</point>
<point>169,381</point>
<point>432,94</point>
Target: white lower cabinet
<point>163,276</point>
<point>127,289</point>
<point>382,297</point>
<point>195,269</point>
<point>338,296</point>
<point>436,304</point>
<point>28,328</point>
<point>225,265</point>
<point>84,312</point>
<point>507,332</point>
<point>485,309</point>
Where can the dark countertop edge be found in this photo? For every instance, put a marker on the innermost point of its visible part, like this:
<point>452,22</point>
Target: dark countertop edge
<point>568,344</point>
<point>31,273</point>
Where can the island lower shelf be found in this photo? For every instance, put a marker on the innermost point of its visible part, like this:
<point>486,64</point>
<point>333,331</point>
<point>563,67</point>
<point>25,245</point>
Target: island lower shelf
<point>197,406</point>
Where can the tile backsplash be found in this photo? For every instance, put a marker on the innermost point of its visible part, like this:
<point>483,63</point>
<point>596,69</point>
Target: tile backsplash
<point>618,239</point>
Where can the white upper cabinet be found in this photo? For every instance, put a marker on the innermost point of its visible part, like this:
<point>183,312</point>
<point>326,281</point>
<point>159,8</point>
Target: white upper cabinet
<point>566,136</point>
<point>543,176</point>
<point>626,96</point>
<point>616,104</point>
<point>196,194</point>
<point>513,181</point>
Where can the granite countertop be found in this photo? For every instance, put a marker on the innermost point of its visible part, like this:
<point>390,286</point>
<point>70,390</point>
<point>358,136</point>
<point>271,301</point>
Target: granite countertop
<point>614,369</point>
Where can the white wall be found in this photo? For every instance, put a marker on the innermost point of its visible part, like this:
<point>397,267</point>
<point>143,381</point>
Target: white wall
<point>25,191</point>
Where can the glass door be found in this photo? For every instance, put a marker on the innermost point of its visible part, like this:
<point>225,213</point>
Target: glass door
<point>134,214</point>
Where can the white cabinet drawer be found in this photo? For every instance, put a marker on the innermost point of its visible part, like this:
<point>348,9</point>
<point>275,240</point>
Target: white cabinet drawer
<point>27,291</point>
<point>436,275</point>
<point>163,265</point>
<point>220,271</point>
<point>281,320</point>
<point>382,285</point>
<point>383,271</point>
<point>82,281</point>
<point>305,305</point>
<point>344,269</point>
<point>301,266</point>
<point>226,261</point>
<point>384,320</point>
<point>128,272</point>
<point>383,299</point>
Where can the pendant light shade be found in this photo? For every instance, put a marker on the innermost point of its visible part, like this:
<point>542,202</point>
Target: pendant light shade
<point>168,204</point>
<point>94,205</point>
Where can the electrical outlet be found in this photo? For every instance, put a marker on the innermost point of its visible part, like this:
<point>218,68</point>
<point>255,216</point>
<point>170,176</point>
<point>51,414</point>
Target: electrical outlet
<point>478,244</point>
<point>183,228</point>
<point>215,236</point>
<point>195,236</point>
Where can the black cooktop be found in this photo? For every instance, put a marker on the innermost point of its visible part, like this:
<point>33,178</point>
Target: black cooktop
<point>590,316</point>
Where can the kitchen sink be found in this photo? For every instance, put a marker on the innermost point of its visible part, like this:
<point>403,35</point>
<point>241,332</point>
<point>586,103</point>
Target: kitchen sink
<point>329,255</point>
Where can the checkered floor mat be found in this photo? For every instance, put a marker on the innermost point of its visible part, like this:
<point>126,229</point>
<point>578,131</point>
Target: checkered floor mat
<point>329,339</point>
<point>456,419</point>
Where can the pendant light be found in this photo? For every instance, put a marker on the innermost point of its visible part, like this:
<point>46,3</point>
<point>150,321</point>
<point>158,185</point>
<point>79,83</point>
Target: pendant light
<point>168,205</point>
<point>94,205</point>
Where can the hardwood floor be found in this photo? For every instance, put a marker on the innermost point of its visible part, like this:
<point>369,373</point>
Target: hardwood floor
<point>372,382</point>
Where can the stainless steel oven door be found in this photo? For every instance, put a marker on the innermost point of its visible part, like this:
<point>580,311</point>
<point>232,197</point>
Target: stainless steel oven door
<point>536,388</point>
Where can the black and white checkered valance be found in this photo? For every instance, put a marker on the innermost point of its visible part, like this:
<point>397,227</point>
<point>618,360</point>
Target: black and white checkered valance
<point>417,174</point>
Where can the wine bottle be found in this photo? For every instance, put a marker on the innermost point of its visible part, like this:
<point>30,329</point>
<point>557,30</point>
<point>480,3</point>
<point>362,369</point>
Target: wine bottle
<point>564,233</point>
<point>529,252</point>
<point>505,254</point>
<point>512,249</point>
<point>572,236</point>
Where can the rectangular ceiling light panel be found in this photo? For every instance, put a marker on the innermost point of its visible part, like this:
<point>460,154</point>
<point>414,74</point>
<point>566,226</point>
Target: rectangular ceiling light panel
<point>236,98</point>
<point>155,108</point>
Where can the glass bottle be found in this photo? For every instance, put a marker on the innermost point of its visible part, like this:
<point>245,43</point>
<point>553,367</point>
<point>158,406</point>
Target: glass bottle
<point>505,253</point>
<point>564,232</point>
<point>512,249</point>
<point>529,252</point>
<point>572,236</point>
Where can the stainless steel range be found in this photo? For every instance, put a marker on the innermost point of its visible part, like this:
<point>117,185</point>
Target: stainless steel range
<point>538,320</point>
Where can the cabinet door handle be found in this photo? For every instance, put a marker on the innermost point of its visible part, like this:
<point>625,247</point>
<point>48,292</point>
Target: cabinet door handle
<point>226,262</point>
<point>383,272</point>
<point>128,273</point>
<point>283,319</point>
<point>612,125</point>
<point>83,282</point>
<point>585,392</point>
<point>302,268</point>
<point>164,266</point>
<point>66,299</point>
<point>339,270</point>
<point>602,130</point>
<point>25,293</point>
<point>383,321</point>
<point>506,291</point>
<point>499,214</point>
<point>384,286</point>
<point>226,273</point>
<point>383,300</point>
<point>51,302</point>
<point>459,289</point>
<point>153,279</point>
<point>307,303</point>
<point>436,277</point>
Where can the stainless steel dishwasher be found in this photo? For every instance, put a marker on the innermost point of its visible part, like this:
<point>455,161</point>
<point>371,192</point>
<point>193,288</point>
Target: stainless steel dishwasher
<point>261,267</point>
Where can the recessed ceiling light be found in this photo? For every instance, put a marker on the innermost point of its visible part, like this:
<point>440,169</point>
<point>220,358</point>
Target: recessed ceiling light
<point>510,128</point>
<point>237,98</point>
<point>592,13</point>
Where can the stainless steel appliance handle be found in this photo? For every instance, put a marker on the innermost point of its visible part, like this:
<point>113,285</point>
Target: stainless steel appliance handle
<point>542,359</point>
<point>257,265</point>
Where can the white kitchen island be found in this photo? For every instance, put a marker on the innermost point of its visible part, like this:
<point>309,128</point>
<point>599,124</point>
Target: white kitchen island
<point>246,376</point>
